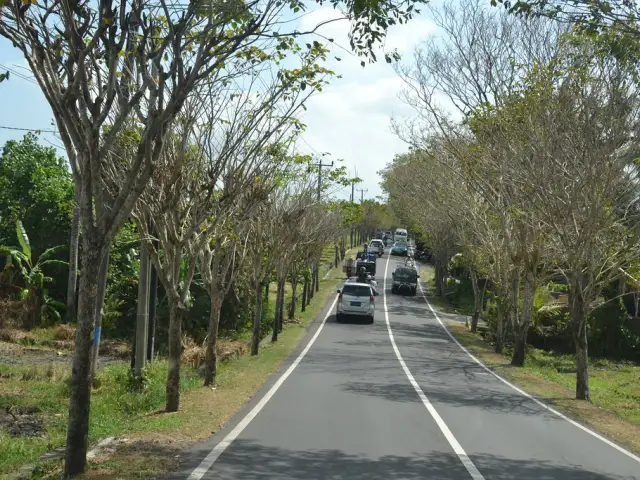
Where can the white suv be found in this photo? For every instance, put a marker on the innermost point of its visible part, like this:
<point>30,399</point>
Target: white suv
<point>356,299</point>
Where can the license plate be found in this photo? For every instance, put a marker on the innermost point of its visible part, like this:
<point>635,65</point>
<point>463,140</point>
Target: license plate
<point>356,304</point>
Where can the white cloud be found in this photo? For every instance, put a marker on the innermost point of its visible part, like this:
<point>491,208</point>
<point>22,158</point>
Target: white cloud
<point>351,118</point>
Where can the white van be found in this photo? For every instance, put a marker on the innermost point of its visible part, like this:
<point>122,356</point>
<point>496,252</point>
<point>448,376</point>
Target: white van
<point>400,235</point>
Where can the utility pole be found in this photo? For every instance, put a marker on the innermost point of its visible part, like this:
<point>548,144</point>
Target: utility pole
<point>320,165</point>
<point>316,278</point>
<point>362,192</point>
<point>142,318</point>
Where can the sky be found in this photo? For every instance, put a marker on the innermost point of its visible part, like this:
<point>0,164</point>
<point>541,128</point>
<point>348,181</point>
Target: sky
<point>350,119</point>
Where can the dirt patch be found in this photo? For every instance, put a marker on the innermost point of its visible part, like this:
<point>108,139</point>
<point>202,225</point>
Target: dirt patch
<point>150,459</point>
<point>22,421</point>
<point>18,355</point>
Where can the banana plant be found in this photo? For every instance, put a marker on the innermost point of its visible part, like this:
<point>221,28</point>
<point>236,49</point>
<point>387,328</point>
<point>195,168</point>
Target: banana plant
<point>20,263</point>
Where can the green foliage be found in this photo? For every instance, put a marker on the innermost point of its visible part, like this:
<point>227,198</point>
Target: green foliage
<point>122,283</point>
<point>3,76</point>
<point>36,188</point>
<point>19,265</point>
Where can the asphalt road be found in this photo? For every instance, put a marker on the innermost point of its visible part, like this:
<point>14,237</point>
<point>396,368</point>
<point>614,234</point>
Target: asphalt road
<point>366,404</point>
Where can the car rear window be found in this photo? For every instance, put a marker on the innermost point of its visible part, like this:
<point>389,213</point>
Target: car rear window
<point>356,290</point>
<point>406,272</point>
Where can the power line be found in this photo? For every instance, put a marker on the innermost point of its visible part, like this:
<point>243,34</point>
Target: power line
<point>2,127</point>
<point>362,192</point>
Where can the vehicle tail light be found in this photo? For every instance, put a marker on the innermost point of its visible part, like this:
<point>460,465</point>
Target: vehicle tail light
<point>371,298</point>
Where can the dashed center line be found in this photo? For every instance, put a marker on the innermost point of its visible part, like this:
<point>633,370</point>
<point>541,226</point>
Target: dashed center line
<point>455,445</point>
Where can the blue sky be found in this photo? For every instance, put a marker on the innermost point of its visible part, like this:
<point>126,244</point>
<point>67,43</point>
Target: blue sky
<point>350,119</point>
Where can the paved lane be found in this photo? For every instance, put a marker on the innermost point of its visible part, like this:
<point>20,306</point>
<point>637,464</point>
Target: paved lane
<point>348,411</point>
<point>505,434</point>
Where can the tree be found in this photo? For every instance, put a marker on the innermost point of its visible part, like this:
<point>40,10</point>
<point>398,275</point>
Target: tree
<point>31,272</point>
<point>578,118</point>
<point>100,64</point>
<point>476,69</point>
<point>37,189</point>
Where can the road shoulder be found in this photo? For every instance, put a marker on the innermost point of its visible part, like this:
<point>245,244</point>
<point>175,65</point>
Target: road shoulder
<point>191,458</point>
<point>534,382</point>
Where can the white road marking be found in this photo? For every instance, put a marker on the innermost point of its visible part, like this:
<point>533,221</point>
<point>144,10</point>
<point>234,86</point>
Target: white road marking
<point>455,445</point>
<point>213,455</point>
<point>522,392</point>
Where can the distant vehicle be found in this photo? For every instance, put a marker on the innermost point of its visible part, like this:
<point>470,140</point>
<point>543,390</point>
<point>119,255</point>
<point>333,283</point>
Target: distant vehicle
<point>379,245</point>
<point>405,277</point>
<point>368,261</point>
<point>401,234</point>
<point>399,249</point>
<point>357,299</point>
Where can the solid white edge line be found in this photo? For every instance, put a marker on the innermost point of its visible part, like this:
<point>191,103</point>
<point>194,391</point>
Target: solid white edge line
<point>522,392</point>
<point>213,455</point>
<point>455,445</point>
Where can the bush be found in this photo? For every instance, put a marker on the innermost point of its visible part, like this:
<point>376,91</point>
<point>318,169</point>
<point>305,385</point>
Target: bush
<point>609,334</point>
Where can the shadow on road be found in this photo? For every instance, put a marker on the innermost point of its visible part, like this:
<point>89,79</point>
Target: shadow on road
<point>250,461</point>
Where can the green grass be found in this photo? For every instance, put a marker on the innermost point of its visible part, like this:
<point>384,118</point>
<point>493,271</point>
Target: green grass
<point>115,408</point>
<point>119,410</point>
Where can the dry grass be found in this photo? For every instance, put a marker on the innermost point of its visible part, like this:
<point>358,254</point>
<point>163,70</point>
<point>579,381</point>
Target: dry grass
<point>194,354</point>
<point>64,331</point>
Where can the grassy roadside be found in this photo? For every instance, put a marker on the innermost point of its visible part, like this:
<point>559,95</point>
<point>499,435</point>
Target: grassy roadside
<point>154,439</point>
<point>615,386</point>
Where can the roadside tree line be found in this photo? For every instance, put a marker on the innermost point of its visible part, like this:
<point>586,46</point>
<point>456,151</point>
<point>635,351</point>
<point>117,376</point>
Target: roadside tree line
<point>182,119</point>
<point>523,160</point>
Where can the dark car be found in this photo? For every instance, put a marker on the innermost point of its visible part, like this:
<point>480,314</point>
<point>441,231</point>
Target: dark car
<point>399,249</point>
<point>405,278</point>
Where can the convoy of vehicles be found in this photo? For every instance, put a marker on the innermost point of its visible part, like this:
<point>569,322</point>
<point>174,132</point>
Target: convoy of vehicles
<point>357,295</point>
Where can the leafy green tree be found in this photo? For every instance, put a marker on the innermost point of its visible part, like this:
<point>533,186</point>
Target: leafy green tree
<point>30,272</point>
<point>36,188</point>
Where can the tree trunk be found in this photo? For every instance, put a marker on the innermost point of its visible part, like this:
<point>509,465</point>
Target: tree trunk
<point>278,310</point>
<point>93,254</point>
<point>305,287</point>
<point>317,283</point>
<point>102,291</point>
<point>500,317</point>
<point>579,320</point>
<point>72,279</point>
<point>212,339</point>
<point>294,290</point>
<point>153,302</point>
<point>439,278</point>
<point>522,327</point>
<point>477,300</point>
<point>313,282</point>
<point>283,282</point>
<point>176,316</point>
<point>336,258</point>
<point>257,317</point>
